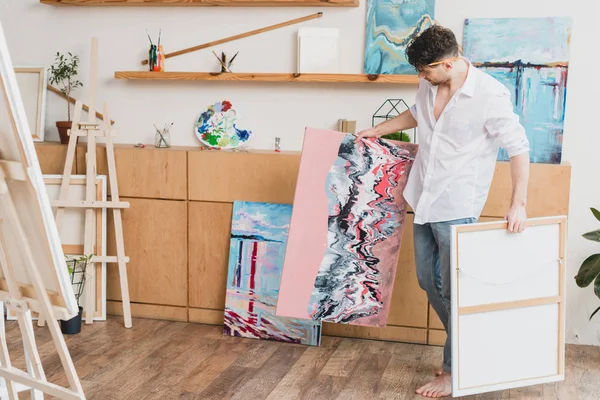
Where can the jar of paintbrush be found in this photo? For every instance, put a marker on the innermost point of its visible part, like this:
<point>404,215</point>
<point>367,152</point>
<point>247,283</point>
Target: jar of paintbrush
<point>162,138</point>
<point>156,56</point>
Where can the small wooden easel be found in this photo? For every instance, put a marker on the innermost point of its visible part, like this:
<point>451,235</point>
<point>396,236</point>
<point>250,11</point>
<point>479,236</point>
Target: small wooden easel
<point>93,131</point>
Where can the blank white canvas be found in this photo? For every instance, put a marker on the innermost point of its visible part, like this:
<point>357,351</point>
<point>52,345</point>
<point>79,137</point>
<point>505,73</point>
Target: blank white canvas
<point>32,85</point>
<point>30,197</point>
<point>318,50</point>
<point>503,349</point>
<point>516,265</point>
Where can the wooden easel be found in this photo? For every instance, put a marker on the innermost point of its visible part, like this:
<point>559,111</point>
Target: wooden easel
<point>93,131</point>
<point>33,274</point>
<point>15,379</point>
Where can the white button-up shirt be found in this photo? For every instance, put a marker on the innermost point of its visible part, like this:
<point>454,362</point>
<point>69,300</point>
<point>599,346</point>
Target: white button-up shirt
<point>454,166</point>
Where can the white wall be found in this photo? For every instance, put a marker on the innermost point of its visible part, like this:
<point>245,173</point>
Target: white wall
<point>35,32</point>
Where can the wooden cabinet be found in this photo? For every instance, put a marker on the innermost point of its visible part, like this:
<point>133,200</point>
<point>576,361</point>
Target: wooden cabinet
<point>177,230</point>
<point>257,176</point>
<point>209,232</point>
<point>155,234</point>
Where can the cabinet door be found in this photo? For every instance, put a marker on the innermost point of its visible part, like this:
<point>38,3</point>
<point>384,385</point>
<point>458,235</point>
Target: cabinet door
<point>155,234</point>
<point>210,231</point>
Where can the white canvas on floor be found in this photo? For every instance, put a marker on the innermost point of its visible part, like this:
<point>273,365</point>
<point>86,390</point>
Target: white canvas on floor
<point>508,305</point>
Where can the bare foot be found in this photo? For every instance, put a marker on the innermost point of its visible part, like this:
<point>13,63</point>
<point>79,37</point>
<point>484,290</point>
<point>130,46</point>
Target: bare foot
<point>440,387</point>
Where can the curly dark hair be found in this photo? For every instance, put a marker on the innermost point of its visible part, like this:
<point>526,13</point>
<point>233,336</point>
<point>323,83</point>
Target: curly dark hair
<point>433,44</point>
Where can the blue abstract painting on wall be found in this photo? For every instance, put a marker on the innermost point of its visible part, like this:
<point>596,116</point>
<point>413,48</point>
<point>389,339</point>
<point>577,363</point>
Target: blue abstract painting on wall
<point>259,233</point>
<point>530,56</point>
<point>391,24</point>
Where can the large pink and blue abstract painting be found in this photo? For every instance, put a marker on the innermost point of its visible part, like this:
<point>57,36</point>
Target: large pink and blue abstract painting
<point>346,229</point>
<point>391,24</point>
<point>259,234</point>
<point>530,56</point>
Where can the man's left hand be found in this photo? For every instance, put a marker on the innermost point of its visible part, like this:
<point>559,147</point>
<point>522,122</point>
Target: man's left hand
<point>516,217</point>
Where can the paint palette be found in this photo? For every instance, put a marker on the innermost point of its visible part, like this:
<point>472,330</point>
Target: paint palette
<point>216,127</point>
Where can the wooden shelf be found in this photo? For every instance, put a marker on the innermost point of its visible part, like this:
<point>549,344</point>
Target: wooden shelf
<point>267,77</point>
<point>198,3</point>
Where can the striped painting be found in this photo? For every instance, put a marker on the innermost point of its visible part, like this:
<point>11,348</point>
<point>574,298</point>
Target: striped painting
<point>530,56</point>
<point>391,24</point>
<point>259,234</point>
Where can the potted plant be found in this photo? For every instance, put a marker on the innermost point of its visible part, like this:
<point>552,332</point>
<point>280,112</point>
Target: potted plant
<point>63,73</point>
<point>399,136</point>
<point>77,267</point>
<point>590,268</point>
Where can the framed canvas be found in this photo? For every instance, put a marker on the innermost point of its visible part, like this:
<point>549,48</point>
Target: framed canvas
<point>259,233</point>
<point>32,82</point>
<point>390,26</point>
<point>346,229</point>
<point>530,56</point>
<point>508,302</point>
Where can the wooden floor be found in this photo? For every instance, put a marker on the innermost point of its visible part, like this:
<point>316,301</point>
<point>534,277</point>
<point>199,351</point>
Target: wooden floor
<point>173,360</point>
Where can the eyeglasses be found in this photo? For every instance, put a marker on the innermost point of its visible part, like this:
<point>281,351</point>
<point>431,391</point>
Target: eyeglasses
<point>437,63</point>
<point>443,61</point>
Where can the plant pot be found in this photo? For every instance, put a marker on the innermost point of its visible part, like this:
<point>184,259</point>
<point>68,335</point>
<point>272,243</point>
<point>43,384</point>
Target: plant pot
<point>73,325</point>
<point>63,127</point>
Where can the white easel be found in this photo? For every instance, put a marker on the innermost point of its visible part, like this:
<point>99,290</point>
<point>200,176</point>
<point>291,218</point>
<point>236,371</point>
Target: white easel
<point>93,131</point>
<point>34,277</point>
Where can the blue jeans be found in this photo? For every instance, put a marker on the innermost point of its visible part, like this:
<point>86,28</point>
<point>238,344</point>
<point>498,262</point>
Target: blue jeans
<point>432,258</point>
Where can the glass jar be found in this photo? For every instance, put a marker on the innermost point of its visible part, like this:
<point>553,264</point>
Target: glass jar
<point>162,139</point>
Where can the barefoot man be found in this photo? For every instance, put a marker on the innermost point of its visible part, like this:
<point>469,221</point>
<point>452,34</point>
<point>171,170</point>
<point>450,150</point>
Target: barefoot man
<point>463,116</point>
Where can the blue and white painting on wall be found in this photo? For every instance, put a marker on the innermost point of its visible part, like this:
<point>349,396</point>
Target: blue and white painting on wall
<point>391,24</point>
<point>530,56</point>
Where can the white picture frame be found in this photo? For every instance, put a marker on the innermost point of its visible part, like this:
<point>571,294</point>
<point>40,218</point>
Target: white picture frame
<point>33,85</point>
<point>501,281</point>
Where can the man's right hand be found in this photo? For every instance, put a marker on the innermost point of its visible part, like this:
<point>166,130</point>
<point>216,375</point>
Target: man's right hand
<point>367,133</point>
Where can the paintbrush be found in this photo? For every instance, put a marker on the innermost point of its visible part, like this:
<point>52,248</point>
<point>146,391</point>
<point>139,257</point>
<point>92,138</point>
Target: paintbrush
<point>233,58</point>
<point>152,44</point>
<point>159,32</point>
<point>221,62</point>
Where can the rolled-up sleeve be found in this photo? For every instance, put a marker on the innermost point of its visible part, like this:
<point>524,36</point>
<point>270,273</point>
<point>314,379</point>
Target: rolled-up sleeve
<point>413,111</point>
<point>503,125</point>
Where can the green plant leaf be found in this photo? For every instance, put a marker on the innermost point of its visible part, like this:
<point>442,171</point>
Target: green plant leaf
<point>593,235</point>
<point>596,213</point>
<point>597,286</point>
<point>594,313</point>
<point>588,271</point>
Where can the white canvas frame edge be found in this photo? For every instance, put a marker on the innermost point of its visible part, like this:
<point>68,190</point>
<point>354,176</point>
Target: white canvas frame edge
<point>456,391</point>
<point>13,98</point>
<point>103,180</point>
<point>42,98</point>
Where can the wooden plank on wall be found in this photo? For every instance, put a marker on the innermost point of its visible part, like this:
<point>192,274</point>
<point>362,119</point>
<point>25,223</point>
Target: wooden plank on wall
<point>146,173</point>
<point>209,235</point>
<point>390,332</point>
<point>155,234</point>
<point>436,337</point>
<point>204,3</point>
<point>151,311</point>
<point>248,176</point>
<point>548,195</point>
<point>206,316</point>
<point>52,157</point>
